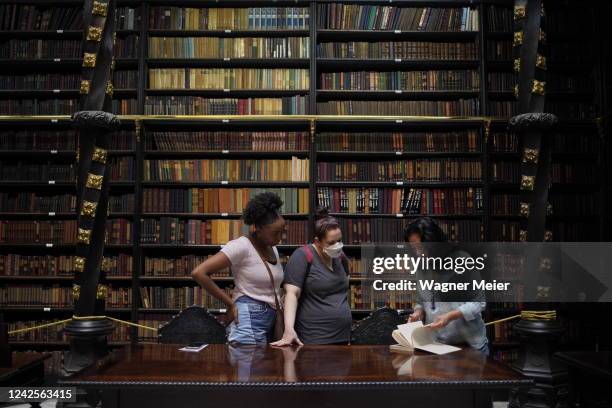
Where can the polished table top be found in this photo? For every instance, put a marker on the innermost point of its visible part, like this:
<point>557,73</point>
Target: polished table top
<point>222,365</point>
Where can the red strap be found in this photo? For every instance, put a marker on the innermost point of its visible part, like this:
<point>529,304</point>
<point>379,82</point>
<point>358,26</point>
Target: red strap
<point>309,256</point>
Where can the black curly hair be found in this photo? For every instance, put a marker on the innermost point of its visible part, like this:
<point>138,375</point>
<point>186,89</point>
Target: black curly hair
<point>427,228</point>
<point>262,209</point>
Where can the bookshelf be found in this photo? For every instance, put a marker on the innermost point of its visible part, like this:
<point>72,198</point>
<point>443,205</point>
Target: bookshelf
<point>453,116</point>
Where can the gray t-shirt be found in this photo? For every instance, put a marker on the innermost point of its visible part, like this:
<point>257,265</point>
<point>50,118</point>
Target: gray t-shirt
<point>323,314</point>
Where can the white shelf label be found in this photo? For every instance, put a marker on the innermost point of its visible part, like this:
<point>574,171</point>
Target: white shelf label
<point>56,91</point>
<point>224,214</point>
<point>222,310</point>
<point>57,59</point>
<point>398,153</point>
<point>225,90</point>
<point>226,59</point>
<point>60,31</point>
<point>399,121</point>
<point>397,31</point>
<point>53,151</point>
<point>400,246</point>
<point>49,245</point>
<point>398,60</point>
<point>51,214</point>
<point>224,182</point>
<point>228,31</point>
<point>225,151</point>
<point>398,91</point>
<point>53,120</point>
<point>51,181</point>
<point>46,309</point>
<point>399,215</point>
<point>399,183</point>
<point>225,120</point>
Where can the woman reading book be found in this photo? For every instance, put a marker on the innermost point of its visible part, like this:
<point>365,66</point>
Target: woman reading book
<point>252,307</point>
<point>453,322</point>
<point>316,289</point>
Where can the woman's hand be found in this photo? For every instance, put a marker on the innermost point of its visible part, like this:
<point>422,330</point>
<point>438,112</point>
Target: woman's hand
<point>444,319</point>
<point>232,314</point>
<point>289,338</point>
<point>416,316</point>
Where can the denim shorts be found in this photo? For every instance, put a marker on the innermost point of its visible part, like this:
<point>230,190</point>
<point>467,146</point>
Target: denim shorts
<point>255,322</point>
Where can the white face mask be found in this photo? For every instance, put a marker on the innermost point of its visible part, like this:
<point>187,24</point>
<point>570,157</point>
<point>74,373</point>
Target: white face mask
<point>334,251</point>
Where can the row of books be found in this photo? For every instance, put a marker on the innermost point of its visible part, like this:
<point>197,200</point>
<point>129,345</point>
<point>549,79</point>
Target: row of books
<point>17,138</point>
<point>460,107</point>
<point>40,81</point>
<point>126,46</point>
<point>562,231</point>
<point>338,16</point>
<point>227,170</point>
<point>229,78</point>
<point>214,141</point>
<point>363,230</point>
<point>401,170</point>
<point>118,168</point>
<point>562,204</point>
<point>451,201</point>
<point>40,49</point>
<point>224,200</point>
<point>19,17</point>
<point>127,18</point>
<point>458,141</point>
<point>57,265</point>
<point>510,172</point>
<point>403,80</point>
<point>125,106</point>
<point>118,231</point>
<point>176,266</point>
<point>251,18</point>
<point>35,295</point>
<point>505,81</point>
<point>500,19</point>
<point>44,202</point>
<point>566,142</point>
<point>179,298</point>
<point>125,79</point>
<point>403,50</point>
<point>229,47</point>
<point>169,230</point>
<point>194,105</point>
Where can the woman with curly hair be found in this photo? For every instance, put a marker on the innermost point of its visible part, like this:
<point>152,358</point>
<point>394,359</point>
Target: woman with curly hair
<point>251,310</point>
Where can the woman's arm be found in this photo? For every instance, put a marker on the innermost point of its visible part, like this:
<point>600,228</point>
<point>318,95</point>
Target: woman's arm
<point>203,275</point>
<point>292,294</point>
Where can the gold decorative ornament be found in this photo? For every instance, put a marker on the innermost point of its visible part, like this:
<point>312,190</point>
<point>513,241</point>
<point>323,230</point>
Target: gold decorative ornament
<point>543,291</point>
<point>101,291</point>
<point>524,211</point>
<point>530,155</point>
<point>94,33</point>
<point>542,36</point>
<point>79,263</point>
<point>89,209</point>
<point>99,155</point>
<point>548,235</point>
<point>518,38</point>
<point>76,291</point>
<point>106,264</point>
<point>522,235</point>
<point>99,9</point>
<point>84,236</point>
<point>109,88</point>
<point>519,12</point>
<point>545,264</point>
<point>515,91</point>
<point>94,181</point>
<point>517,65</point>
<point>85,85</point>
<point>527,182</point>
<point>541,61</point>
<point>538,87</point>
<point>89,60</point>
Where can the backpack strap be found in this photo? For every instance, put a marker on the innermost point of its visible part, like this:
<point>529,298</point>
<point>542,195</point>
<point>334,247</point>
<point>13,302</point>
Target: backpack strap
<point>309,257</point>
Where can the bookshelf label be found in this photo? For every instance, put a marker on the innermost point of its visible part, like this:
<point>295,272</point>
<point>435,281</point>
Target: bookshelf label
<point>224,182</point>
<point>222,310</point>
<point>225,151</point>
<point>398,91</point>
<point>225,90</point>
<point>60,31</point>
<point>53,151</point>
<point>46,309</point>
<point>399,121</point>
<point>51,181</point>
<point>228,31</point>
<point>397,31</point>
<point>400,246</point>
<point>226,58</point>
<point>56,91</point>
<point>224,214</point>
<point>224,120</point>
<point>57,59</point>
<point>53,120</point>
<point>51,214</point>
<point>49,245</point>
<point>398,60</point>
<point>399,183</point>
<point>399,215</point>
<point>398,153</point>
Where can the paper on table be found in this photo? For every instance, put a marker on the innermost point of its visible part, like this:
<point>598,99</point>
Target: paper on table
<point>420,337</point>
<point>193,349</point>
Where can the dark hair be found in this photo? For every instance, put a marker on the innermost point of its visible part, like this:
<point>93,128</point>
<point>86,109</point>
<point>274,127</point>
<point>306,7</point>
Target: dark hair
<point>262,209</point>
<point>427,228</point>
<point>324,222</point>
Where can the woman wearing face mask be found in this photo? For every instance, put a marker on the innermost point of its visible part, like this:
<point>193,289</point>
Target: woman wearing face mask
<point>251,310</point>
<point>316,287</point>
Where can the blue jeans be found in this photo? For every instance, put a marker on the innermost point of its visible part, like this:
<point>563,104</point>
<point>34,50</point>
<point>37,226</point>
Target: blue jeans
<point>484,349</point>
<point>255,322</point>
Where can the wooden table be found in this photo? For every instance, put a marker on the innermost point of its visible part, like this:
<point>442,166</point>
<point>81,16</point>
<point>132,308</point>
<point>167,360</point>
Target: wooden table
<point>321,376</point>
<point>27,370</point>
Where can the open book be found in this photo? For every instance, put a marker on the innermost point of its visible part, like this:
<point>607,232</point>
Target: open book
<point>411,336</point>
